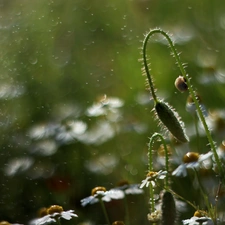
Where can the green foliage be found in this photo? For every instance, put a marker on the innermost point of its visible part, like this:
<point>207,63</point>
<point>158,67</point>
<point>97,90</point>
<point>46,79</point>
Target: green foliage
<point>74,110</point>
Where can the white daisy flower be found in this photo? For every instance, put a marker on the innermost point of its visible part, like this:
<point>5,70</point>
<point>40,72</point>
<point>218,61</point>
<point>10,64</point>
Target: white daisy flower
<point>52,215</point>
<point>101,193</point>
<point>152,177</point>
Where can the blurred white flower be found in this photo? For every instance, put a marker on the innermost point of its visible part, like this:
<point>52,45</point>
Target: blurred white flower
<point>45,147</point>
<point>54,214</point>
<point>9,91</point>
<point>193,160</point>
<point>17,165</point>
<point>106,106</point>
<point>100,133</point>
<point>70,131</point>
<point>41,131</point>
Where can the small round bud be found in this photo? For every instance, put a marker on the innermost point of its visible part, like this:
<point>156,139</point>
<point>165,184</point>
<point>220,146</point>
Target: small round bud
<point>191,157</point>
<point>180,84</point>
<point>96,189</point>
<point>54,209</point>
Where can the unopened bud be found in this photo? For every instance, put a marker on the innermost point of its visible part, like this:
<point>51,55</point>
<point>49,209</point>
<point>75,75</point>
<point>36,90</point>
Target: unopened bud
<point>170,119</point>
<point>180,84</point>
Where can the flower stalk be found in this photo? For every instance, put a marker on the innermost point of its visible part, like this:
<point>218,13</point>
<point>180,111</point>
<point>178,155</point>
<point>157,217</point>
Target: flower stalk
<point>150,157</point>
<point>190,88</point>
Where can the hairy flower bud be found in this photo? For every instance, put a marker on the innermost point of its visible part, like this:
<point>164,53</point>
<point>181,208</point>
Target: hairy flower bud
<point>168,209</point>
<point>171,120</point>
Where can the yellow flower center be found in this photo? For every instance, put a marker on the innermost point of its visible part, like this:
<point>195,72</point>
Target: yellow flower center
<point>42,212</point>
<point>5,223</point>
<point>191,157</point>
<point>200,213</point>
<point>96,189</point>
<point>151,174</point>
<point>54,209</point>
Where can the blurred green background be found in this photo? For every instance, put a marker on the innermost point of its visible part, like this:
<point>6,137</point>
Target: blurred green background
<point>74,109</point>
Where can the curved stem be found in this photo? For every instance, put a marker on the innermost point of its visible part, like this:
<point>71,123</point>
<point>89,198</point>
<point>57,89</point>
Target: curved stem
<point>150,81</point>
<point>154,136</point>
<point>190,88</point>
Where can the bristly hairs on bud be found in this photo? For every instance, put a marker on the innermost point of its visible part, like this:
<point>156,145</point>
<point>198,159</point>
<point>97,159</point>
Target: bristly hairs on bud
<point>170,112</point>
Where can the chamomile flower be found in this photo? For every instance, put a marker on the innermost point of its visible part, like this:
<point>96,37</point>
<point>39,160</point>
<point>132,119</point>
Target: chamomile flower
<point>101,193</point>
<point>152,177</point>
<point>193,160</point>
<point>53,214</point>
<point>200,217</point>
<point>198,220</point>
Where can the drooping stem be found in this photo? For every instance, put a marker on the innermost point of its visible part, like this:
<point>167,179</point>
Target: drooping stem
<point>152,139</point>
<point>190,88</point>
<point>150,81</point>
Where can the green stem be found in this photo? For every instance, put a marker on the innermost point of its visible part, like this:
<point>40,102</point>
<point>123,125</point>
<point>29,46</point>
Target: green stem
<point>150,81</point>
<point>211,210</point>
<point>197,132</point>
<point>190,88</point>
<point>152,200</point>
<point>127,216</point>
<point>58,221</point>
<point>151,142</point>
<point>104,211</point>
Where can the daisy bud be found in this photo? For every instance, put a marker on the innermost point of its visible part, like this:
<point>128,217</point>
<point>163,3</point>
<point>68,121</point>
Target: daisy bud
<point>180,84</point>
<point>171,120</point>
<point>168,209</point>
